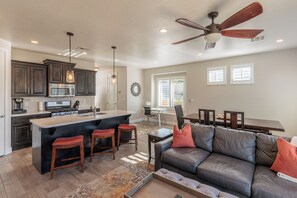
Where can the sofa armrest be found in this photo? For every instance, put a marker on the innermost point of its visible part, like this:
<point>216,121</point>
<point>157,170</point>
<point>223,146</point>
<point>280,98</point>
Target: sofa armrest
<point>159,148</point>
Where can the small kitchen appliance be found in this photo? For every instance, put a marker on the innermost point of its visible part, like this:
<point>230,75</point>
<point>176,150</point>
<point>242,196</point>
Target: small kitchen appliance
<point>18,106</point>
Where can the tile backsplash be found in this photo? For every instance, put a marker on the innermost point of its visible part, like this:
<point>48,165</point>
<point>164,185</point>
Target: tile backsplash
<point>31,103</point>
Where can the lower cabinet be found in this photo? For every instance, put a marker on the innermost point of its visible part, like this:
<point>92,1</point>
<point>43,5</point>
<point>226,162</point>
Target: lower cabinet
<point>21,131</point>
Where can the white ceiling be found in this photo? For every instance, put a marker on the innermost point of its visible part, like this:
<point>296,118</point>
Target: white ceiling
<point>133,26</point>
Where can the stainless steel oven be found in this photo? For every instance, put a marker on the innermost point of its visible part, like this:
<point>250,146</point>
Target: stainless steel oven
<point>61,90</point>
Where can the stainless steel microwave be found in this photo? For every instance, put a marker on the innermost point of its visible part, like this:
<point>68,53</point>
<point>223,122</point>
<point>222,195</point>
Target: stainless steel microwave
<point>61,90</point>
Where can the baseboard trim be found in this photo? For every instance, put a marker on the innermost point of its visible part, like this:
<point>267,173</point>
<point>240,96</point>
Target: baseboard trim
<point>8,151</point>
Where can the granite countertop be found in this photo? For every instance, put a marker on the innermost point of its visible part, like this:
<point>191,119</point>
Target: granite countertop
<point>29,113</point>
<point>77,118</point>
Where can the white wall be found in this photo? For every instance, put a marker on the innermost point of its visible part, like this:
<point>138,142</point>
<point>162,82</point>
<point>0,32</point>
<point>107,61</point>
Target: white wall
<point>135,103</point>
<point>273,96</point>
<point>6,50</point>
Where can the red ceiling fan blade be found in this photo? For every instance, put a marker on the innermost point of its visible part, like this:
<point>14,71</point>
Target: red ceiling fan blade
<point>249,34</point>
<point>182,41</point>
<point>191,24</point>
<point>243,15</point>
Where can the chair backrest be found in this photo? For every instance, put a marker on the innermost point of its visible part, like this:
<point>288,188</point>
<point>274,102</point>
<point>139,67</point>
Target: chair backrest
<point>206,116</point>
<point>147,111</point>
<point>231,119</point>
<point>179,115</point>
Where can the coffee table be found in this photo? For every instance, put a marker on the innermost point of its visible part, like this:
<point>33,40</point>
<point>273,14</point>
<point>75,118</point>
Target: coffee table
<point>157,136</point>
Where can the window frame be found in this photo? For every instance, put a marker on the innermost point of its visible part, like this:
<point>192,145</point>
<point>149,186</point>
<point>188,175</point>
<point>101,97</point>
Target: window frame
<point>171,94</point>
<point>224,68</point>
<point>242,82</point>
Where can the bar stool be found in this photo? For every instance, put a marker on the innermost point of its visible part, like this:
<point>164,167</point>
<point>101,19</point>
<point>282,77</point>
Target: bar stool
<point>107,133</point>
<point>127,128</point>
<point>67,143</point>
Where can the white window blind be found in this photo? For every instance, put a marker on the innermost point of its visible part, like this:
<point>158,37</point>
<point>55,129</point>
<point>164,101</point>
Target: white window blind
<point>242,74</point>
<point>216,75</point>
<point>171,92</point>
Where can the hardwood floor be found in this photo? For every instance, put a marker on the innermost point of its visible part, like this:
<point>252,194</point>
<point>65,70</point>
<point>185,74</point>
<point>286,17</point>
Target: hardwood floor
<point>20,179</point>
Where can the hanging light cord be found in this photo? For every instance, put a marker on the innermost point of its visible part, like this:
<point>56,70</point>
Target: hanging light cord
<point>114,48</point>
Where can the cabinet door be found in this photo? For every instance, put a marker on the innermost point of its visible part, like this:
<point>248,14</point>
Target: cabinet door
<point>65,69</point>
<point>38,81</point>
<point>20,83</point>
<point>55,73</point>
<point>21,136</point>
<point>80,83</point>
<point>90,83</point>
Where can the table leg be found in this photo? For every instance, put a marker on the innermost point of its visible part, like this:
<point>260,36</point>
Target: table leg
<point>149,149</point>
<point>159,119</point>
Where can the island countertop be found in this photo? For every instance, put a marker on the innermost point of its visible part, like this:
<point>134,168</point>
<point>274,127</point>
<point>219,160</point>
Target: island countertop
<point>77,118</point>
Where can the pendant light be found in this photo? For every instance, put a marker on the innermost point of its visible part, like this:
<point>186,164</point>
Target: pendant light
<point>70,73</point>
<point>113,76</point>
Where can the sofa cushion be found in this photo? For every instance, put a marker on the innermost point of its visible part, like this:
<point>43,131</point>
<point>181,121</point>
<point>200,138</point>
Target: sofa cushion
<point>266,149</point>
<point>235,143</point>
<point>186,159</point>
<point>268,185</point>
<point>227,172</point>
<point>203,136</point>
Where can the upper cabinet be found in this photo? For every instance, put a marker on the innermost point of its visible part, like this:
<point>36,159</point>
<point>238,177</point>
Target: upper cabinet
<point>85,83</point>
<point>28,79</point>
<point>60,72</point>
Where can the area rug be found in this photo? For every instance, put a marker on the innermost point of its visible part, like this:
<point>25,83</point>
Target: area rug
<point>115,183</point>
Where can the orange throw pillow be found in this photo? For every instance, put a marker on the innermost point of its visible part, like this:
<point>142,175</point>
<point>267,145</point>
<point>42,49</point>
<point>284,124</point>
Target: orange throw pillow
<point>183,137</point>
<point>286,158</point>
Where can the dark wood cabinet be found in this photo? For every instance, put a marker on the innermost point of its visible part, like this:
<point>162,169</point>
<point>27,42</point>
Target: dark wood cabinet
<point>21,130</point>
<point>85,83</point>
<point>28,79</point>
<point>57,71</point>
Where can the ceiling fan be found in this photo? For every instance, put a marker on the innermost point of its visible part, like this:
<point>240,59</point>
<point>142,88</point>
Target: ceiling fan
<point>213,32</point>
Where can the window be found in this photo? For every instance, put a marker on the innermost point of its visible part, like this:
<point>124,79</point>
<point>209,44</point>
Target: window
<point>216,75</point>
<point>171,91</point>
<point>242,74</point>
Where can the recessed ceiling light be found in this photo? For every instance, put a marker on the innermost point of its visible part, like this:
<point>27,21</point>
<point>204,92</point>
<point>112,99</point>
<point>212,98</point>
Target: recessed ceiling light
<point>60,54</point>
<point>200,54</point>
<point>96,69</point>
<point>155,62</point>
<point>116,60</point>
<point>34,42</point>
<point>279,40</point>
<point>163,30</point>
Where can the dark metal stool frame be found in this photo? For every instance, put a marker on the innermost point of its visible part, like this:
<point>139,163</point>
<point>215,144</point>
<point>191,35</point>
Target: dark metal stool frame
<point>55,149</point>
<point>102,136</point>
<point>206,113</point>
<point>121,130</point>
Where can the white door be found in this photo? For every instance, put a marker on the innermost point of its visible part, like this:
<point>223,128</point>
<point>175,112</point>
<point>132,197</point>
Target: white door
<point>2,99</point>
<point>112,91</point>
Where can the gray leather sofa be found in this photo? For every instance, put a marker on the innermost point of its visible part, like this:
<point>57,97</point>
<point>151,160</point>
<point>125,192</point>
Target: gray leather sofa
<point>237,162</point>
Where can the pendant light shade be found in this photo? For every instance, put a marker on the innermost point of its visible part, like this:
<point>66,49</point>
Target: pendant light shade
<point>113,76</point>
<point>70,73</point>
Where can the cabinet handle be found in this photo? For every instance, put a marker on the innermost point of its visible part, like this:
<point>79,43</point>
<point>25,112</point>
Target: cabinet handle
<point>2,116</point>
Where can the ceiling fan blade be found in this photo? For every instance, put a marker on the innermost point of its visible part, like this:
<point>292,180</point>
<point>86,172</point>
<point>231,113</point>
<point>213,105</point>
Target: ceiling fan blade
<point>249,34</point>
<point>182,41</point>
<point>191,24</point>
<point>243,15</point>
<point>209,45</point>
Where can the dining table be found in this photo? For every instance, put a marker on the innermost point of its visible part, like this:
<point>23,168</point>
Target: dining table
<point>250,124</point>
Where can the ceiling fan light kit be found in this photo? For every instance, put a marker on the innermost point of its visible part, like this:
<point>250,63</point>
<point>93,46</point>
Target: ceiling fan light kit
<point>214,32</point>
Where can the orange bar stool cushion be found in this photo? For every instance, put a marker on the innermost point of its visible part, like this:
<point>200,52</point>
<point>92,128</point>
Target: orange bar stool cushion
<point>127,127</point>
<point>68,141</point>
<point>105,132</point>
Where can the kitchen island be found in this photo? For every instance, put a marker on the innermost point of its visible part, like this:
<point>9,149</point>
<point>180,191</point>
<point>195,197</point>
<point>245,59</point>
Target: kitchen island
<point>46,130</point>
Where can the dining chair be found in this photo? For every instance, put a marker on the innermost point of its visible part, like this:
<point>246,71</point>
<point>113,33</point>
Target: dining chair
<point>179,115</point>
<point>148,113</point>
<point>207,114</point>
<point>231,119</point>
